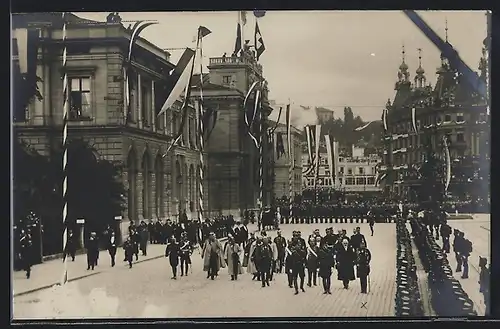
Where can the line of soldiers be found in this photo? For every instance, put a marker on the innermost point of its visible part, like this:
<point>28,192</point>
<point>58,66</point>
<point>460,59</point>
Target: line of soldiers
<point>319,256</point>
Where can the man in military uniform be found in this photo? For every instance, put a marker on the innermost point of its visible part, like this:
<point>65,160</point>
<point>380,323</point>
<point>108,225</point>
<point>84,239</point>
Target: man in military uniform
<point>92,251</point>
<point>298,260</point>
<point>264,257</point>
<point>280,245</point>
<point>329,239</point>
<point>357,238</point>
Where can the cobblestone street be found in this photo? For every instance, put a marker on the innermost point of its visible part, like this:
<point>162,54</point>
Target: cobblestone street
<point>149,284</point>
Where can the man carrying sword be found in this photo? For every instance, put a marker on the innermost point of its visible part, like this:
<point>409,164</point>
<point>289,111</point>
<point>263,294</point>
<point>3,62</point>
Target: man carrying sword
<point>363,267</point>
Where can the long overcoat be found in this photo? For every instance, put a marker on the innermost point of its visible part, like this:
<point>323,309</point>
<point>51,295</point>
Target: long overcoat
<point>206,255</point>
<point>232,254</point>
<point>252,267</point>
<point>345,264</point>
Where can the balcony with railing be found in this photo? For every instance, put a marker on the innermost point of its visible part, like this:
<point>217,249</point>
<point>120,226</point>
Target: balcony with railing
<point>216,62</point>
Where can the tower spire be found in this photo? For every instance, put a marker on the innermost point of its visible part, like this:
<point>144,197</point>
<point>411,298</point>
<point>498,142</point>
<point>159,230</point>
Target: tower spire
<point>420,79</point>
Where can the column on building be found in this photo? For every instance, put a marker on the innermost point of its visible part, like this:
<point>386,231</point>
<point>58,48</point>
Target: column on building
<point>130,177</point>
<point>139,100</point>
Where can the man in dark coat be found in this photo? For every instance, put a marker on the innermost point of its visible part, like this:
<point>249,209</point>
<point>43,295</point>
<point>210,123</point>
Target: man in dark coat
<point>364,257</point>
<point>457,241</point>
<point>112,247</point>
<point>26,257</point>
<point>346,257</point>
<point>280,246</point>
<point>128,247</point>
<point>143,238</point>
<point>326,261</point>
<point>445,236</point>
<point>70,246</point>
<point>298,260</point>
<point>357,238</point>
<point>264,257</point>
<point>92,251</point>
<point>172,251</point>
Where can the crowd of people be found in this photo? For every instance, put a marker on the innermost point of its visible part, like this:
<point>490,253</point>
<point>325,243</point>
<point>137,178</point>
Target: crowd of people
<point>264,257</point>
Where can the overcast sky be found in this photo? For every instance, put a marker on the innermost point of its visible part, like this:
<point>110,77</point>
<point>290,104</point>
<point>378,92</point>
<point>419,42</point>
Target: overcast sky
<point>325,58</point>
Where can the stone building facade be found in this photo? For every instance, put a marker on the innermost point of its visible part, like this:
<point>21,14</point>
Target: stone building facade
<point>450,109</point>
<point>158,185</point>
<point>232,172</point>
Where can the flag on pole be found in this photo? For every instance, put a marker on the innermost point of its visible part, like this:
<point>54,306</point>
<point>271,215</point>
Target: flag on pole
<point>259,41</point>
<point>280,145</point>
<point>238,45</point>
<point>384,118</point>
<point>309,143</point>
<point>178,79</point>
<point>413,119</point>
<point>330,151</point>
<point>203,32</point>
<point>289,128</point>
<point>272,130</point>
<point>243,17</point>
<point>448,164</point>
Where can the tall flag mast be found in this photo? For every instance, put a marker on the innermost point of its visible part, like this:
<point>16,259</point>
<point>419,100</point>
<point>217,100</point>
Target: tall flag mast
<point>202,31</point>
<point>291,158</point>
<point>65,88</point>
<point>258,104</point>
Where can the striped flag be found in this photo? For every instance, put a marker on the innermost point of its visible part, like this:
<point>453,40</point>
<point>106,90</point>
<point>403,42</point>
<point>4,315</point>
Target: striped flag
<point>309,143</point>
<point>317,136</point>
<point>330,151</point>
<point>448,164</point>
<point>179,77</point>
<point>413,119</point>
<point>259,41</point>
<point>289,128</point>
<point>238,45</point>
<point>280,145</point>
<point>384,119</point>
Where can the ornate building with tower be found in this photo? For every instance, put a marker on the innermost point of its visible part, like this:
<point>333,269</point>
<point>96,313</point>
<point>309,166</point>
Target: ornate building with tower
<point>159,185</point>
<point>451,109</point>
<point>232,166</point>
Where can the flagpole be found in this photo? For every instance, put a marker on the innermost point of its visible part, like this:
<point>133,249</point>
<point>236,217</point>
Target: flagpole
<point>291,160</point>
<point>64,277</point>
<point>202,134</point>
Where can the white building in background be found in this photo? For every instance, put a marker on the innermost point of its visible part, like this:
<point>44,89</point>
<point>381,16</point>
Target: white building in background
<point>354,174</point>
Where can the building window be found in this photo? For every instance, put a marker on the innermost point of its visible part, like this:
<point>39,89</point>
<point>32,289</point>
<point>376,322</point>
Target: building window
<point>460,137</point>
<point>349,181</point>
<point>341,160</point>
<point>227,79</point>
<point>447,117</point>
<point>360,181</point>
<point>341,170</point>
<point>361,170</point>
<point>327,172</point>
<point>349,171</point>
<point>370,181</point>
<point>80,98</point>
<point>460,117</point>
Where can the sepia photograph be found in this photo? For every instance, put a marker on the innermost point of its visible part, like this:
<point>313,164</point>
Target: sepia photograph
<point>250,164</point>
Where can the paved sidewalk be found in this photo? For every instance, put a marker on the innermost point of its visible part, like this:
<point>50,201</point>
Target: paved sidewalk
<point>49,273</point>
<point>478,232</point>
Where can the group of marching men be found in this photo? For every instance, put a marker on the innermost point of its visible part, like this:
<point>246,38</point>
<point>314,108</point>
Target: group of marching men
<point>263,257</point>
